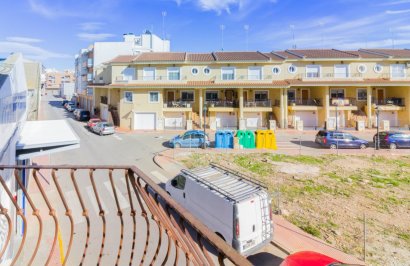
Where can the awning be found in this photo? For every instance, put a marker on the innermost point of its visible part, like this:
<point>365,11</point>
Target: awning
<point>45,137</point>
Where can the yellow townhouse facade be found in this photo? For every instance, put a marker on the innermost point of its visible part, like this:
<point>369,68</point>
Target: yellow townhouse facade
<point>251,90</point>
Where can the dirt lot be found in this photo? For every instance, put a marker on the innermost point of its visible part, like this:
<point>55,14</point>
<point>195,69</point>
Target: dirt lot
<point>336,197</point>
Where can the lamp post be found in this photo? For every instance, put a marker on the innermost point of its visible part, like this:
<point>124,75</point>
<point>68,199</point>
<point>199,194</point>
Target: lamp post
<point>204,109</point>
<point>378,123</point>
<point>336,114</point>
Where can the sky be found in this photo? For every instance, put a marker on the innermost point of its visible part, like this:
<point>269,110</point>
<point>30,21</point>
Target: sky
<point>53,31</point>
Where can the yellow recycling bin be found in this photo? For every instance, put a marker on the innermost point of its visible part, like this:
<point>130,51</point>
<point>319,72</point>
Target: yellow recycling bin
<point>270,140</point>
<point>260,139</point>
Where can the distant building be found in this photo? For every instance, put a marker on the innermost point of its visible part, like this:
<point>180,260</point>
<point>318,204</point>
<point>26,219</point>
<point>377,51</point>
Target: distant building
<point>89,63</point>
<point>54,79</point>
<point>67,90</point>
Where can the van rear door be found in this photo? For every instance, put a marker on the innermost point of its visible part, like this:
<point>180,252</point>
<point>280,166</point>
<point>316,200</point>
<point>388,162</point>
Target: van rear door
<point>249,219</point>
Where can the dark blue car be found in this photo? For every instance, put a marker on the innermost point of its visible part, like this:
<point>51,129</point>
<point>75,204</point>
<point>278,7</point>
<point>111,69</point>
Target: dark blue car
<point>190,139</point>
<point>393,140</point>
<point>340,140</point>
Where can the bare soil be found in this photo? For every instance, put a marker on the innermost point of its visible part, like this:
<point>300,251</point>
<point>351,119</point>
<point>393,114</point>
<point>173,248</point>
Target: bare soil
<point>335,197</point>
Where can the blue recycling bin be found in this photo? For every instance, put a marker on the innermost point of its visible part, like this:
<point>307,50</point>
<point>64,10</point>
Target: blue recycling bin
<point>228,139</point>
<point>219,139</point>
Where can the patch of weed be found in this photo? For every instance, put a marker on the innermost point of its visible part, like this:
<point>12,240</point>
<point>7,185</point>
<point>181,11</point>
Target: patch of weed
<point>257,167</point>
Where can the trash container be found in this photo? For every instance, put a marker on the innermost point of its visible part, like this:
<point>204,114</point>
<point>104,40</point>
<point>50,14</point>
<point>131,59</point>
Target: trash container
<point>260,139</point>
<point>219,139</point>
<point>241,138</point>
<point>228,140</point>
<point>250,140</point>
<point>270,140</point>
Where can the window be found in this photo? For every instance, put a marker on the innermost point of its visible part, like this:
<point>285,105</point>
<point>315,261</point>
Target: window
<point>89,77</point>
<point>261,95</point>
<point>291,95</point>
<point>228,73</point>
<point>194,71</point>
<point>254,73</point>
<point>148,73</point>
<point>173,73</point>
<point>337,93</point>
<point>398,70</point>
<point>154,97</point>
<point>292,69</point>
<point>378,68</point>
<point>207,71</point>
<point>128,74</point>
<point>187,96</point>
<point>312,71</point>
<point>128,96</point>
<point>179,182</point>
<point>341,71</point>
<point>362,69</point>
<point>211,96</point>
<point>276,70</point>
<point>361,94</point>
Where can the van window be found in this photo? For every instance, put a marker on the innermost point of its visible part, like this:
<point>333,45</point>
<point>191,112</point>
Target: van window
<point>179,182</point>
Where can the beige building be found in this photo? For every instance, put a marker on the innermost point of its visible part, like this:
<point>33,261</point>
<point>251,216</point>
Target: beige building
<point>54,79</point>
<point>156,91</point>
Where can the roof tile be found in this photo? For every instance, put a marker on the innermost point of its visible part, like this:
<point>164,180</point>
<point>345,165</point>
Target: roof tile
<point>240,56</point>
<point>200,57</point>
<point>123,59</point>
<point>160,56</point>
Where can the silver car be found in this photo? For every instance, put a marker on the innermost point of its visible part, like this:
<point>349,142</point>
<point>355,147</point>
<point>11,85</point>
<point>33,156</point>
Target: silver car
<point>104,128</point>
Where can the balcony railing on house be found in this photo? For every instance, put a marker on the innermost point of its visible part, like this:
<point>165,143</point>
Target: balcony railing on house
<point>222,103</point>
<point>179,104</point>
<point>69,223</point>
<point>389,101</point>
<point>258,103</point>
<point>306,102</point>
<point>346,101</point>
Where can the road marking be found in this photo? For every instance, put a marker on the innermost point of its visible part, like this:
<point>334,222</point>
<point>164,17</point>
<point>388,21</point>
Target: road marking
<point>159,176</point>
<point>91,196</point>
<point>117,137</point>
<point>121,199</point>
<point>75,206</point>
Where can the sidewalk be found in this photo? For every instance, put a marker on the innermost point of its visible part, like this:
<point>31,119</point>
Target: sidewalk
<point>286,235</point>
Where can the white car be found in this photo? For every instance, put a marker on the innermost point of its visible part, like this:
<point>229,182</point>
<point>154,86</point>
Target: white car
<point>103,128</point>
<point>233,206</point>
<point>71,107</point>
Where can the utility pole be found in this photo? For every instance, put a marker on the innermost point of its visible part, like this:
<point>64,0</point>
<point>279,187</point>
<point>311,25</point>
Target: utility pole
<point>292,28</point>
<point>222,27</point>
<point>164,14</point>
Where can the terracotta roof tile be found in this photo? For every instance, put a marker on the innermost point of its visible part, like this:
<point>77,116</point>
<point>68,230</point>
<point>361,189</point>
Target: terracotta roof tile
<point>200,57</point>
<point>160,56</point>
<point>123,59</point>
<point>274,57</point>
<point>240,56</point>
<point>364,54</point>
<point>396,53</point>
<point>287,55</point>
<point>322,53</point>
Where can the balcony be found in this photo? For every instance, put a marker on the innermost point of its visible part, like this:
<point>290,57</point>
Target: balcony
<point>260,103</point>
<point>389,101</point>
<point>345,103</point>
<point>68,226</point>
<point>146,79</point>
<point>222,103</point>
<point>178,104</point>
<point>305,102</point>
<point>328,76</point>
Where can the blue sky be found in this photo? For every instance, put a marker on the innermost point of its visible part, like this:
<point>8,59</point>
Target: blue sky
<point>52,31</point>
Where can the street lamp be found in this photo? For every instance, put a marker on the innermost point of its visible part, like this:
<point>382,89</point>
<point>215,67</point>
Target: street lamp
<point>335,104</point>
<point>204,109</point>
<point>378,123</point>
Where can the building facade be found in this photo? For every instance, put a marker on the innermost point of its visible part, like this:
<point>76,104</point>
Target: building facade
<point>54,78</point>
<point>90,62</point>
<point>322,88</point>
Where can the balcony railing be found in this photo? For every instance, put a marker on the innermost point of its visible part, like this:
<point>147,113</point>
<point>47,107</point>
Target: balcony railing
<point>306,102</point>
<point>222,103</point>
<point>143,225</point>
<point>342,101</point>
<point>178,104</point>
<point>262,103</point>
<point>389,101</point>
<point>330,75</point>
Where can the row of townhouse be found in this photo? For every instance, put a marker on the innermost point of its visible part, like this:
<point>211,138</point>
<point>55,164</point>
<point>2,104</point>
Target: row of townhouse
<point>242,90</point>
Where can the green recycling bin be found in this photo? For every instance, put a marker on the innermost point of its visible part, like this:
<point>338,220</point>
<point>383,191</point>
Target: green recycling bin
<point>240,134</point>
<point>250,140</point>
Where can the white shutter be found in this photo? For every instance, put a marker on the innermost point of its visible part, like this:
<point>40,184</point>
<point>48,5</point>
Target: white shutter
<point>254,73</point>
<point>341,71</point>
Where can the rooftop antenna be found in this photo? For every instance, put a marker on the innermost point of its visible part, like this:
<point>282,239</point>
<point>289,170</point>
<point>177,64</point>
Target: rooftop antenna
<point>164,14</point>
<point>392,37</point>
<point>321,33</point>
<point>222,27</point>
<point>246,28</point>
<point>292,28</point>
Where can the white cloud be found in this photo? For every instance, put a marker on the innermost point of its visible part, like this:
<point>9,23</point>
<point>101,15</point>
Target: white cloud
<point>23,39</point>
<point>218,5</point>
<point>94,36</point>
<point>394,12</point>
<point>392,3</point>
<point>91,26</point>
<point>30,51</point>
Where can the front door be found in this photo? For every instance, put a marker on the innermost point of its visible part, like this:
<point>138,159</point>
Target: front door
<point>170,96</point>
<point>380,95</point>
<point>305,96</point>
<point>229,95</point>
<point>245,96</point>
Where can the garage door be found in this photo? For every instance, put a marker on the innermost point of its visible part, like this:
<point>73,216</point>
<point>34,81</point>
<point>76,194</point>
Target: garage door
<point>226,120</point>
<point>253,120</point>
<point>391,116</point>
<point>173,120</point>
<point>309,118</point>
<point>144,121</point>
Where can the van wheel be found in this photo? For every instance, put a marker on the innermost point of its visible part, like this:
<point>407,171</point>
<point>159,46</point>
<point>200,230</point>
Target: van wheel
<point>362,146</point>
<point>177,145</point>
<point>393,146</point>
<point>333,146</point>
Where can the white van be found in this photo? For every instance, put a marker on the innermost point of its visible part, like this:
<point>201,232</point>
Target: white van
<point>232,205</point>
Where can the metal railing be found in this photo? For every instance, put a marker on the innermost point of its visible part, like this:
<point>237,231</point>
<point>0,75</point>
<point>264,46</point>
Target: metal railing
<point>139,226</point>
<point>389,101</point>
<point>346,101</point>
<point>222,103</point>
<point>257,103</point>
<point>308,102</point>
<point>179,104</point>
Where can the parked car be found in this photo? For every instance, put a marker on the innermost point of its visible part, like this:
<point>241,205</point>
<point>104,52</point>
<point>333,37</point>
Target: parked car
<point>190,139</point>
<point>83,115</point>
<point>76,112</point>
<point>309,258</point>
<point>92,122</point>
<point>338,139</point>
<point>104,128</point>
<point>393,140</point>
<point>230,204</point>
<point>64,102</point>
<point>71,107</point>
